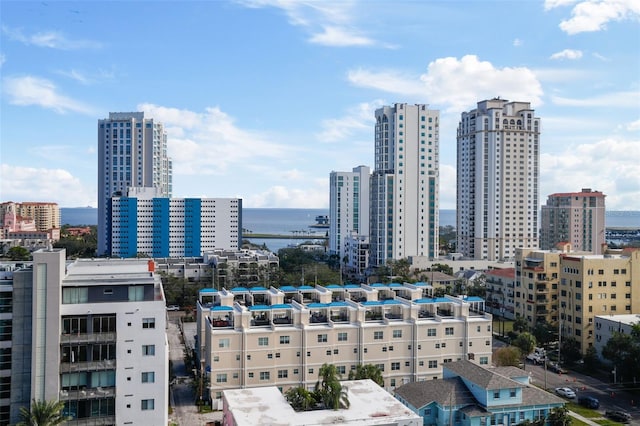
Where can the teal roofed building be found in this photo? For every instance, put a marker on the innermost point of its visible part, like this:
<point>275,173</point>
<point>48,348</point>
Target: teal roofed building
<point>476,396</point>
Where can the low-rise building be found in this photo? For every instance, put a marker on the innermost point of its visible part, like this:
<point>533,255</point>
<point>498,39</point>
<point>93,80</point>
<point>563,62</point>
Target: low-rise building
<point>607,325</point>
<point>470,394</point>
<point>500,288</point>
<point>369,404</point>
<point>252,337</point>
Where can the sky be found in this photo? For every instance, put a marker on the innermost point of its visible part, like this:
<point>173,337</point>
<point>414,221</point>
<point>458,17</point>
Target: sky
<point>262,99</point>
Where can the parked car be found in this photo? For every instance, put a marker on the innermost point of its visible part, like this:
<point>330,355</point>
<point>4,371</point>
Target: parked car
<point>589,402</point>
<point>173,308</point>
<point>566,392</point>
<point>555,367</point>
<point>618,416</point>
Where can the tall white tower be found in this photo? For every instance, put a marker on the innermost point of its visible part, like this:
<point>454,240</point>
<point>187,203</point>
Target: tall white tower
<point>348,206</point>
<point>132,152</point>
<point>404,184</point>
<point>497,179</point>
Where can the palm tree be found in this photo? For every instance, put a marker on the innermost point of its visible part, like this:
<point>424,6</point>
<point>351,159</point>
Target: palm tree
<point>329,388</point>
<point>43,413</point>
<point>367,371</point>
<point>300,398</point>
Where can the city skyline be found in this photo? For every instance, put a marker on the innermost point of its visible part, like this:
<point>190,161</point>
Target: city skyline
<point>261,100</point>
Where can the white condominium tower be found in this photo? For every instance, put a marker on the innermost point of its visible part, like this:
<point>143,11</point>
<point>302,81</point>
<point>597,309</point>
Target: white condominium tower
<point>404,184</point>
<point>348,207</point>
<point>132,152</point>
<point>497,179</point>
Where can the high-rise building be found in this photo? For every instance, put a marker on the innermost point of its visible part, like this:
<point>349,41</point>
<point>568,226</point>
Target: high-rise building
<point>497,179</point>
<point>90,334</point>
<point>132,152</point>
<point>574,217</point>
<point>404,184</point>
<point>173,227</point>
<point>348,207</point>
<point>45,215</point>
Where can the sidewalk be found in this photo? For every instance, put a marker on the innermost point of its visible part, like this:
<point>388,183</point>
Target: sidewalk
<point>583,419</point>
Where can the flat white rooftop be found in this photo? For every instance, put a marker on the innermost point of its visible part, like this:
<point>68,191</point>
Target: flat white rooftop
<point>369,405</point>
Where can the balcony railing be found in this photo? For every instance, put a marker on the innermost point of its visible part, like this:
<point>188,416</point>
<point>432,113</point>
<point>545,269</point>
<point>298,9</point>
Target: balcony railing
<point>93,421</point>
<point>87,393</point>
<point>69,367</point>
<point>88,337</point>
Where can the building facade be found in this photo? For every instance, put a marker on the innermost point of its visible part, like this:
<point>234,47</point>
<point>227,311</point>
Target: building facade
<point>473,395</point>
<point>404,187</point>
<point>91,334</point>
<point>348,207</point>
<point>607,325</point>
<point>173,227</point>
<point>251,337</point>
<point>497,179</point>
<point>500,286</point>
<point>575,217</point>
<point>45,216</point>
<point>132,152</point>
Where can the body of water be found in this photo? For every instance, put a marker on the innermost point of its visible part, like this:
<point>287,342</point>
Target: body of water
<point>290,221</point>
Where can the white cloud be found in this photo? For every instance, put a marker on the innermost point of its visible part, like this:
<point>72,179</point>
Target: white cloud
<point>601,57</point>
<point>209,143</point>
<point>50,39</point>
<point>593,15</point>
<point>517,42</point>
<point>38,184</point>
<point>358,119</point>
<point>340,37</point>
<point>567,54</point>
<point>391,81</point>
<point>634,126</point>
<point>615,99</point>
<point>316,196</point>
<point>590,166</point>
<point>330,23</point>
<point>37,91</point>
<point>550,4</point>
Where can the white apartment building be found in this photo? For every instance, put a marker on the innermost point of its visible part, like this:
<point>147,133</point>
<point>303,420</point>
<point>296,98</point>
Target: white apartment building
<point>348,207</point>
<point>173,227</point>
<point>253,337</point>
<point>92,334</point>
<point>404,185</point>
<point>574,217</point>
<point>132,152</point>
<point>497,179</point>
<point>607,325</point>
<point>356,253</point>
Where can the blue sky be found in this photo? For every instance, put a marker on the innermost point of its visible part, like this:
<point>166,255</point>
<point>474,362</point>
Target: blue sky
<point>262,99</point>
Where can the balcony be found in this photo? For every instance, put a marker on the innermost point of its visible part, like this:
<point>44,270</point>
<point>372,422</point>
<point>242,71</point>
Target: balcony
<point>70,367</point>
<point>87,393</point>
<point>88,337</point>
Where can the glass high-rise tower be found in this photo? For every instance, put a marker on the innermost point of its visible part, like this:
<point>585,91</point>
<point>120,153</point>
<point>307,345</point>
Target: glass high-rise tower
<point>132,152</point>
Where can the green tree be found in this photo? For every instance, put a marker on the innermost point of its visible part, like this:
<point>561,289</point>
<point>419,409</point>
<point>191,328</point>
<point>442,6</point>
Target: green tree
<point>329,389</point>
<point>544,332</point>
<point>623,350</point>
<point>43,413</point>
<point>591,361</point>
<point>367,371</point>
<point>446,269</point>
<point>559,416</point>
<point>570,351</point>
<point>18,253</point>
<point>525,342</point>
<point>300,398</point>
<point>508,355</point>
<point>520,325</point>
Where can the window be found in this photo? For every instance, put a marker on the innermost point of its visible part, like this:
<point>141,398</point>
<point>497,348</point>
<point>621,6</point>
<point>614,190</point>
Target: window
<point>421,363</point>
<point>284,340</point>
<point>148,377</point>
<point>265,375</point>
<point>223,343</point>
<point>342,337</point>
<point>496,394</point>
<point>148,323</point>
<point>283,374</point>
<point>263,341</point>
<point>341,369</point>
<point>395,366</point>
<point>431,332</point>
<point>75,295</point>
<point>251,375</point>
<point>322,338</point>
<point>433,364</point>
<point>148,350</point>
<point>378,335</point>
<point>512,393</point>
<point>148,404</point>
<point>448,331</point>
<point>397,334</point>
<point>221,378</point>
<point>484,360</point>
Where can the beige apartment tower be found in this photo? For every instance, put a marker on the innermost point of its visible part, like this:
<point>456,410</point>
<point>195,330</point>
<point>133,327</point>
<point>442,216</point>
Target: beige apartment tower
<point>574,217</point>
